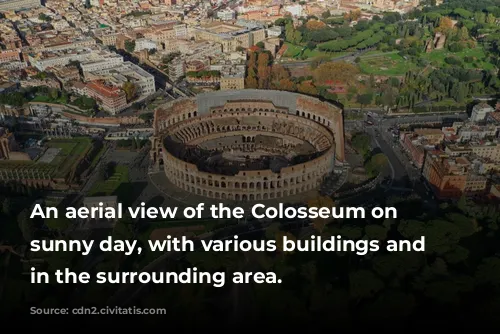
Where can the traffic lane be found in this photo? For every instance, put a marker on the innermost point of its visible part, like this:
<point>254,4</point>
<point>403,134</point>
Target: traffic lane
<point>400,175</point>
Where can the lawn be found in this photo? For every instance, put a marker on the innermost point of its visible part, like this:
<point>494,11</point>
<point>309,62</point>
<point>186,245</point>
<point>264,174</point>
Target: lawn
<point>72,151</point>
<point>385,64</point>
<point>109,186</point>
<point>294,51</point>
<point>438,56</point>
<point>391,63</point>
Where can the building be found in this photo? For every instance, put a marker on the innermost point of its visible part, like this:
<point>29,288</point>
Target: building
<point>483,149</point>
<point>144,44</point>
<point>230,36</point>
<point>112,99</point>
<point>100,61</point>
<point>275,31</point>
<point>480,111</point>
<point>122,73</point>
<point>226,15</point>
<point>14,5</point>
<point>452,177</point>
<point>469,132</point>
<point>232,77</point>
<point>197,140</point>
<point>176,69</point>
<point>7,144</point>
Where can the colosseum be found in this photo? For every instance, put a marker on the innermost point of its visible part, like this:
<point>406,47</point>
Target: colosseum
<point>247,145</point>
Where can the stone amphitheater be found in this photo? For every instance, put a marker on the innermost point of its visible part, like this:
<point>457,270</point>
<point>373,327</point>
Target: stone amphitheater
<point>247,145</point>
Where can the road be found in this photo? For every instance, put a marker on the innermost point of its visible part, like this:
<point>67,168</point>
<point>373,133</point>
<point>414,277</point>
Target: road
<point>404,174</point>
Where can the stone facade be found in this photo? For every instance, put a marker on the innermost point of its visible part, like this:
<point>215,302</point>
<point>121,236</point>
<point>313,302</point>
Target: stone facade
<point>227,121</point>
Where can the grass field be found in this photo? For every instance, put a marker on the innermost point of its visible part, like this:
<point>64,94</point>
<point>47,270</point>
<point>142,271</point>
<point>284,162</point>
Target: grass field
<point>385,64</point>
<point>109,186</point>
<point>295,51</point>
<point>391,63</point>
<point>437,57</point>
<point>72,151</point>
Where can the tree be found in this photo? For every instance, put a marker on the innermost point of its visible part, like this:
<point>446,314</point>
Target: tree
<point>463,34</point>
<point>60,224</point>
<point>321,202</point>
<point>315,25</point>
<point>307,88</point>
<point>263,70</point>
<point>130,46</point>
<point>26,225</point>
<point>53,94</point>
<point>364,284</point>
<point>123,230</point>
<point>445,25</point>
<point>44,17</point>
<point>130,90</point>
<point>326,14</point>
<point>361,143</point>
<point>364,99</point>
<point>389,96</point>
<point>7,206</point>
<point>375,164</point>
<point>339,71</point>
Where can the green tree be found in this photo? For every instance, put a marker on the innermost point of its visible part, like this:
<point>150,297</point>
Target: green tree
<point>59,225</point>
<point>375,164</point>
<point>364,99</point>
<point>361,143</point>
<point>130,90</point>
<point>130,46</point>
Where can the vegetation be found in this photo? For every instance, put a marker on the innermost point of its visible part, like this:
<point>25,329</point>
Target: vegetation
<point>203,74</point>
<point>114,176</point>
<point>458,269</point>
<point>130,46</point>
<point>432,75</point>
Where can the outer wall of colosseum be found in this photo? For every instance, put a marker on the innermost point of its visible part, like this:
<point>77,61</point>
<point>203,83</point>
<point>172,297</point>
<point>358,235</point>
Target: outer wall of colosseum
<point>289,118</point>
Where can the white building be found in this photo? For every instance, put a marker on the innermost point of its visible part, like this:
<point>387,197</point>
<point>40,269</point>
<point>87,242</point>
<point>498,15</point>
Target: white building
<point>101,61</point>
<point>480,111</point>
<point>226,15</point>
<point>181,31</point>
<point>295,10</point>
<point>44,60</point>
<point>275,31</point>
<point>144,44</point>
<point>126,71</point>
<point>176,69</point>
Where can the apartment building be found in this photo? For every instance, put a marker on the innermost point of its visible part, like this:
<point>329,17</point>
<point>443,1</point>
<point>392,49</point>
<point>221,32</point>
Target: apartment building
<point>100,61</point>
<point>232,76</point>
<point>46,59</point>
<point>111,99</point>
<point>480,111</point>
<point>230,36</point>
<point>226,15</point>
<point>126,71</point>
<point>470,132</point>
<point>452,177</point>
